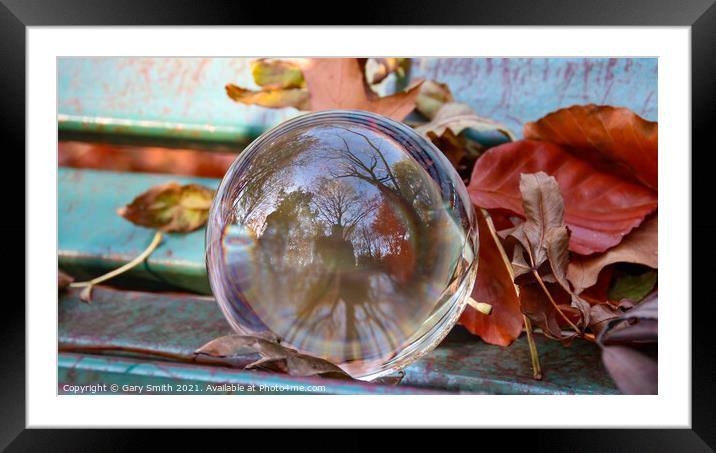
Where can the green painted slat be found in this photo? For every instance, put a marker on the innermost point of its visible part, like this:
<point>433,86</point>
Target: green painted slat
<point>180,323</point>
<point>93,239</point>
<point>166,133</point>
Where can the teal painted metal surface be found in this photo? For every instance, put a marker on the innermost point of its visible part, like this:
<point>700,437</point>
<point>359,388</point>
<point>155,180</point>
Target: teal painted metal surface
<point>517,90</point>
<point>93,239</point>
<point>170,99</point>
<point>76,372</point>
<point>141,326</point>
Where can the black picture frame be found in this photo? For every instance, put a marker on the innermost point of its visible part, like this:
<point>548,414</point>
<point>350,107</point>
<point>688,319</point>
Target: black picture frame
<point>700,15</point>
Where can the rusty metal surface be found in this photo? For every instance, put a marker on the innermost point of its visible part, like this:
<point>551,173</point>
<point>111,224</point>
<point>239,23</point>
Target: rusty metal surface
<point>180,323</point>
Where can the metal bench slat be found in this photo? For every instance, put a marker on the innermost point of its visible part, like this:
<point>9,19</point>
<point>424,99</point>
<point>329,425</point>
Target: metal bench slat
<point>180,323</point>
<point>165,100</point>
<point>94,239</point>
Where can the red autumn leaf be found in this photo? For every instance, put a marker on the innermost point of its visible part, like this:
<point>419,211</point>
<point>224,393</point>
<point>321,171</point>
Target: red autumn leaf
<point>600,208</point>
<point>493,286</point>
<point>613,139</point>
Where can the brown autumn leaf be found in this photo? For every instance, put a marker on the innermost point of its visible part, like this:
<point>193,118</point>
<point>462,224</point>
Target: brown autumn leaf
<point>273,98</point>
<point>601,314</point>
<point>458,117</point>
<point>544,214</point>
<point>544,236</point>
<point>535,304</point>
<point>640,247</point>
<point>600,209</point>
<point>63,280</point>
<point>170,207</point>
<point>392,379</point>
<point>339,83</point>
<point>453,146</point>
<point>611,138</point>
<point>274,356</point>
<point>432,96</point>
<point>493,285</point>
<point>639,324</point>
<point>630,348</point>
<point>557,240</point>
<point>447,132</point>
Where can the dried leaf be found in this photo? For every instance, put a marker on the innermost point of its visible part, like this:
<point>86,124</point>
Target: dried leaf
<point>599,208</point>
<point>393,379</point>
<point>536,306</point>
<point>520,266</point>
<point>274,356</point>
<point>544,213</point>
<point>640,247</point>
<point>63,280</point>
<point>277,74</point>
<point>233,345</point>
<point>557,240</point>
<point>380,68</point>
<point>544,237</point>
<point>493,285</point>
<point>601,314</point>
<point>634,372</point>
<point>630,350</point>
<point>274,98</point>
<point>170,207</point>
<point>611,138</point>
<point>458,117</point>
<point>632,287</point>
<point>637,325</point>
<point>432,96</point>
<point>453,146</point>
<point>339,83</point>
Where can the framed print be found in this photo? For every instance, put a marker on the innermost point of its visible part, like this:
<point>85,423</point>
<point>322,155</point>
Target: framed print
<point>368,225</point>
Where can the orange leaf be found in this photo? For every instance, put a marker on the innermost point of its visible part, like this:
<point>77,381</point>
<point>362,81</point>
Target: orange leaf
<point>339,83</point>
<point>613,139</point>
<point>640,247</point>
<point>600,208</point>
<point>494,286</point>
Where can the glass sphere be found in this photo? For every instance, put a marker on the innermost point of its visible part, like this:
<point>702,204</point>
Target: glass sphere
<point>348,236</point>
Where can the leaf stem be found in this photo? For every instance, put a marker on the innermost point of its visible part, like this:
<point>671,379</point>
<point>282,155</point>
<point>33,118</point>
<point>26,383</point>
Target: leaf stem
<point>534,355</point>
<point>556,307</point>
<point>120,270</point>
<point>482,307</point>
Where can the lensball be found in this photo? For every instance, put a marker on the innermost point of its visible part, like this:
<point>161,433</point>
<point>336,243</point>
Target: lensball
<point>348,236</point>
